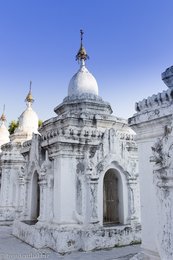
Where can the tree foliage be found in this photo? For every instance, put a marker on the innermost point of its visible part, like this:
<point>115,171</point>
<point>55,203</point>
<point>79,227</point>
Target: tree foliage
<point>12,126</point>
<point>40,122</point>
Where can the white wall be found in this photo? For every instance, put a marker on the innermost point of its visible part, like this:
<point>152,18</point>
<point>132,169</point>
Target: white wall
<point>148,196</point>
<point>64,189</point>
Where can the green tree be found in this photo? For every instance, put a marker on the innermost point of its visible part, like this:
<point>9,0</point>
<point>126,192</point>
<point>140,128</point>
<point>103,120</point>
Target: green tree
<point>12,126</point>
<point>40,122</point>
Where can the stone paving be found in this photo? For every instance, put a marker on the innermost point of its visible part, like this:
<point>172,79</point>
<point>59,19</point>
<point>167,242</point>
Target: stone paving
<point>14,249</point>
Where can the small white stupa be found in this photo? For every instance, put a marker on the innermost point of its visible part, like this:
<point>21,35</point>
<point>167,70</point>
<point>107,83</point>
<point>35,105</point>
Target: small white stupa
<point>28,121</point>
<point>4,133</point>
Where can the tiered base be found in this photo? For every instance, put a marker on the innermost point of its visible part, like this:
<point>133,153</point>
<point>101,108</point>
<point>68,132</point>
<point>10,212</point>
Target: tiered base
<point>67,238</point>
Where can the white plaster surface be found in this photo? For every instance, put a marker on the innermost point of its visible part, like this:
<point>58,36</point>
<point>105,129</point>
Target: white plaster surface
<point>82,82</point>
<point>4,134</point>
<point>13,248</point>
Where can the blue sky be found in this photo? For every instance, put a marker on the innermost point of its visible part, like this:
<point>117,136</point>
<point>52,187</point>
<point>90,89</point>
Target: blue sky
<point>130,42</point>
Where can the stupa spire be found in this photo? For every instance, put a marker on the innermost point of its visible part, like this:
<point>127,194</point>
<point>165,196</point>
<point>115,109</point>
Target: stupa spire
<point>29,98</point>
<point>82,54</point>
<point>81,35</point>
<point>3,117</point>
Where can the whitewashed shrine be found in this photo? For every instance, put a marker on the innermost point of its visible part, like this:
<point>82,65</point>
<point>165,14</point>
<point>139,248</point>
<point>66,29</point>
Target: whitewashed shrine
<point>153,124</point>
<point>74,184</point>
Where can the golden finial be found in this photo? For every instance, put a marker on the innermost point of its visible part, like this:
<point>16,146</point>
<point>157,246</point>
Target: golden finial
<point>29,97</point>
<point>82,54</point>
<point>3,117</point>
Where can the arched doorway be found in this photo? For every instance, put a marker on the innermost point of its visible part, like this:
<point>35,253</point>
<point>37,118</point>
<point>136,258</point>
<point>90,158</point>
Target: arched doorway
<point>35,197</point>
<point>111,198</point>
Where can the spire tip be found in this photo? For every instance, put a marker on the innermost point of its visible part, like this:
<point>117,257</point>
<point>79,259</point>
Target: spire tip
<point>29,97</point>
<point>82,54</point>
<point>3,117</point>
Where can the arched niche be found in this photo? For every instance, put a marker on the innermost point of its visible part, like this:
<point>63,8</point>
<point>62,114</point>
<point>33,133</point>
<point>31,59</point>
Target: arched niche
<point>112,198</point>
<point>115,174</point>
<point>35,197</point>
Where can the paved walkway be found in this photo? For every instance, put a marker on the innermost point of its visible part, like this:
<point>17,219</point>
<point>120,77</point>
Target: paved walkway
<point>12,248</point>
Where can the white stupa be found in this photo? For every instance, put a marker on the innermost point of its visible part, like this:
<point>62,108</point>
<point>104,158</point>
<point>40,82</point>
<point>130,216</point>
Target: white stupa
<point>4,133</point>
<point>83,82</point>
<point>28,121</point>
